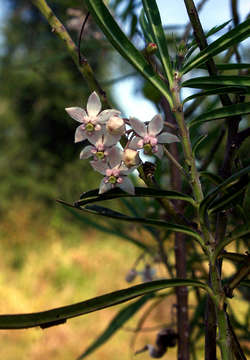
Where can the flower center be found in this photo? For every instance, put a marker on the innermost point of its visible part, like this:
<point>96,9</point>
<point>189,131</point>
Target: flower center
<point>112,179</point>
<point>100,155</point>
<point>89,127</point>
<point>147,149</point>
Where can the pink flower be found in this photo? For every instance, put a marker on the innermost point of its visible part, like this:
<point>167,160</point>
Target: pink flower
<point>102,144</point>
<point>150,137</point>
<point>92,119</point>
<point>116,173</point>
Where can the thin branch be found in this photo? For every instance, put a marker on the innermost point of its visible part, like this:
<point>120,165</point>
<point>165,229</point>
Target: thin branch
<point>59,29</point>
<point>81,59</point>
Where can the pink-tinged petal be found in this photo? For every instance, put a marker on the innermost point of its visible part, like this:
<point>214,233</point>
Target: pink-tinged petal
<point>127,186</point>
<point>99,166</point>
<point>94,104</point>
<point>115,157</point>
<point>110,140</point>
<point>106,114</point>
<point>138,126</point>
<point>76,113</point>
<point>134,143</point>
<point>87,152</point>
<point>93,135</point>
<point>167,138</point>
<point>104,187</point>
<point>159,152</point>
<point>80,134</point>
<point>96,137</point>
<point>156,125</point>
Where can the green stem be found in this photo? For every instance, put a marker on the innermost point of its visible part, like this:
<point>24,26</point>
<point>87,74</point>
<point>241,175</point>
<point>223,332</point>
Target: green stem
<point>59,29</point>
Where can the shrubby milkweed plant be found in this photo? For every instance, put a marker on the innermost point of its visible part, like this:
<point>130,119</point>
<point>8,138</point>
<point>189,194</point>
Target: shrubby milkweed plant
<point>198,145</point>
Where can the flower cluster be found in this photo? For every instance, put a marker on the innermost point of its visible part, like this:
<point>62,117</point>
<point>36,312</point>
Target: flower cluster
<point>104,129</point>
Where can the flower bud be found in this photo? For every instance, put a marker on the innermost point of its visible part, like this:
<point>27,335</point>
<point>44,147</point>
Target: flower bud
<point>151,48</point>
<point>131,275</point>
<point>131,158</point>
<point>115,125</point>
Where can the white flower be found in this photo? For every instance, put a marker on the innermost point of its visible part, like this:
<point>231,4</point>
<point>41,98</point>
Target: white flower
<point>102,144</point>
<point>92,119</point>
<point>115,173</point>
<point>149,137</point>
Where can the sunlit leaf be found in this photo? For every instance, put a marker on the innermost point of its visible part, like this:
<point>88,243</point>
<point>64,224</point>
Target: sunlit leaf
<point>232,37</point>
<point>119,40</point>
<point>206,82</point>
<point>219,91</point>
<point>221,113</point>
<point>59,315</point>
<point>94,196</point>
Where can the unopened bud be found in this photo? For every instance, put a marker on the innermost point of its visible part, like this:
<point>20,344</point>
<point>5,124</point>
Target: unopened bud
<point>151,48</point>
<point>131,275</point>
<point>131,158</point>
<point>115,125</point>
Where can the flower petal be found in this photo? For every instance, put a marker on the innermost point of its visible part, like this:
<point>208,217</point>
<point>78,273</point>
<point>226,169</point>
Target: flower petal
<point>106,114</point>
<point>80,134</point>
<point>127,186</point>
<point>115,157</point>
<point>76,113</point>
<point>99,166</point>
<point>104,187</point>
<point>86,152</point>
<point>138,126</point>
<point>159,152</point>
<point>167,138</point>
<point>94,104</point>
<point>110,140</point>
<point>134,143</point>
<point>156,125</point>
<point>95,137</point>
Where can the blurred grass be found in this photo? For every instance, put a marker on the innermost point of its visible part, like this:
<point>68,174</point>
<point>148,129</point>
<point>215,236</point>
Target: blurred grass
<point>48,261</point>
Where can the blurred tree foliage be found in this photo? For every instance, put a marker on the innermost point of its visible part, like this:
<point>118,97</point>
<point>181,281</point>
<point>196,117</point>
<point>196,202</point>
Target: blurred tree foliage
<point>38,80</point>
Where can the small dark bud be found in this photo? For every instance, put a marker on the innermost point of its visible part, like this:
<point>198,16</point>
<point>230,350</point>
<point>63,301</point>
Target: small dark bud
<point>166,337</point>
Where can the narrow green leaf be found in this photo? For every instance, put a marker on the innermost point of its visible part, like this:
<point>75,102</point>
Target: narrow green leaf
<point>213,178</point>
<point>239,233</point>
<point>221,113</point>
<point>245,283</point>
<point>109,230</point>
<point>102,211</point>
<point>232,37</point>
<point>204,82</point>
<point>197,143</point>
<point>154,20</point>
<point>193,45</point>
<point>219,91</point>
<point>229,66</point>
<point>227,200</point>
<point>116,323</point>
<point>59,315</point>
<point>232,181</point>
<point>116,193</point>
<point>119,40</point>
<point>145,27</point>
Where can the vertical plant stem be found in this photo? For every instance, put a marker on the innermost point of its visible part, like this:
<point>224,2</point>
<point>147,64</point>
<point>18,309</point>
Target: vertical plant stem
<point>180,252</point>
